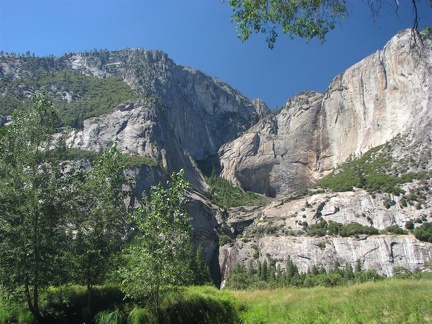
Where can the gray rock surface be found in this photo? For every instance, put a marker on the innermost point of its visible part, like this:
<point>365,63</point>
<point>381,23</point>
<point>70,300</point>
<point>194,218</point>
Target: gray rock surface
<point>380,252</point>
<point>385,95</point>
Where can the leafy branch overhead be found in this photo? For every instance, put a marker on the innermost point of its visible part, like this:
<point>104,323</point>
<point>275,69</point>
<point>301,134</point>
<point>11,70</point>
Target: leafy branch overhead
<point>306,19</point>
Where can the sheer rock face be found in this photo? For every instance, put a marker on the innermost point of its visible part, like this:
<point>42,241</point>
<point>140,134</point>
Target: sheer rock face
<point>386,94</point>
<point>381,252</point>
<point>203,112</point>
<point>279,153</point>
<point>139,130</point>
<point>278,231</point>
<point>385,98</point>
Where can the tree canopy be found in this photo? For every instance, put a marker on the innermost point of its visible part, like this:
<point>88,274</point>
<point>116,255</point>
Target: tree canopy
<point>306,19</point>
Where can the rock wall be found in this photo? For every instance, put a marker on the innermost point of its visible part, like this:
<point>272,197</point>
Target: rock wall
<point>386,94</point>
<point>382,252</point>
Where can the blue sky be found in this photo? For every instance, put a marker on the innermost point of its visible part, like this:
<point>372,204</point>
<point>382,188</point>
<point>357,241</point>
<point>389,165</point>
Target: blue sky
<point>199,34</point>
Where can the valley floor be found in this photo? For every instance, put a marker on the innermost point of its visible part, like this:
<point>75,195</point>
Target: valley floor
<point>388,301</point>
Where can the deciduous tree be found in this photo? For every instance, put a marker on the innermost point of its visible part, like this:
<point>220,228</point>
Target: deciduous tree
<point>32,213</point>
<point>157,260</point>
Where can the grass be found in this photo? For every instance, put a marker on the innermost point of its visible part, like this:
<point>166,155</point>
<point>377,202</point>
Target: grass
<point>388,301</point>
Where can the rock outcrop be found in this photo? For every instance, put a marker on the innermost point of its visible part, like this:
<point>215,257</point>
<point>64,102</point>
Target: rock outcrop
<point>203,112</point>
<point>382,253</point>
<point>280,230</point>
<point>384,95</point>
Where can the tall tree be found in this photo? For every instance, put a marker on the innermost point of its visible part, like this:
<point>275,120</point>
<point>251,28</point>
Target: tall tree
<point>98,226</point>
<point>307,19</point>
<point>156,260</point>
<point>32,222</point>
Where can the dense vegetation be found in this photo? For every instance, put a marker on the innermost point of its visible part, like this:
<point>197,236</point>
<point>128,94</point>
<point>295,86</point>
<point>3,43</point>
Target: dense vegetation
<point>389,301</point>
<point>424,232</point>
<point>61,225</point>
<point>374,171</point>
<point>77,96</point>
<point>324,228</point>
<point>226,195</point>
<point>269,276</point>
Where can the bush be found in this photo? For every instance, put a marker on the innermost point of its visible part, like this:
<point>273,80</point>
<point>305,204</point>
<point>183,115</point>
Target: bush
<point>409,225</point>
<point>70,302</point>
<point>424,232</point>
<point>354,228</point>
<point>224,239</point>
<point>110,317</point>
<point>131,161</point>
<point>394,229</point>
<point>318,229</point>
<point>224,194</point>
<point>206,305</point>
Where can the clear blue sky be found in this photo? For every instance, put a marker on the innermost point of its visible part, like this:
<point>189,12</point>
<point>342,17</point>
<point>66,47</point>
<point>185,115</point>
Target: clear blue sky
<point>199,34</point>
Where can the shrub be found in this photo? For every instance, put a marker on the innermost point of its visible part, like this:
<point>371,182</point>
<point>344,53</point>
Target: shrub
<point>224,194</point>
<point>318,229</point>
<point>224,239</point>
<point>131,161</point>
<point>424,232</point>
<point>394,229</point>
<point>110,317</point>
<point>70,302</point>
<point>354,228</point>
<point>409,225</point>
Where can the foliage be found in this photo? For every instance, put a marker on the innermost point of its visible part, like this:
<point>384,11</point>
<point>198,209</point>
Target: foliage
<point>409,225</point>
<point>323,228</point>
<point>369,172</point>
<point>59,224</point>
<point>74,154</point>
<point>268,275</point>
<point>69,303</point>
<point>199,305</point>
<point>200,270</point>
<point>110,317</point>
<point>424,232</point>
<point>306,19</point>
<point>354,228</point>
<point>131,161</point>
<point>77,96</point>
<point>393,229</point>
<point>226,195</point>
<point>97,223</point>
<point>157,260</point>
<point>32,195</point>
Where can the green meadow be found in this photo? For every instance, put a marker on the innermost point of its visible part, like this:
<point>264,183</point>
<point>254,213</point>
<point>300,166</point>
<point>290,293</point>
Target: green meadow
<point>386,301</point>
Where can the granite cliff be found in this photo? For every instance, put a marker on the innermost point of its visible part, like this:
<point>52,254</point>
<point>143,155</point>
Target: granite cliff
<point>380,106</point>
<point>385,95</point>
